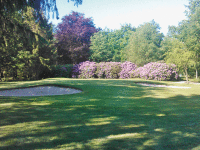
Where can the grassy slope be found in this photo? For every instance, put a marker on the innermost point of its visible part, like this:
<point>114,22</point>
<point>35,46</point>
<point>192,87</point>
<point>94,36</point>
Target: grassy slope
<point>108,114</point>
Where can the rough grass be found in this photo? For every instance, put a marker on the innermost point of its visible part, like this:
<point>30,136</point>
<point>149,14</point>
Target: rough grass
<point>108,114</point>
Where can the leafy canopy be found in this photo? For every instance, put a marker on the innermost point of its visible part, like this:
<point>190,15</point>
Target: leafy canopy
<point>44,5</point>
<point>108,45</point>
<point>179,55</point>
<point>73,36</point>
<point>144,44</point>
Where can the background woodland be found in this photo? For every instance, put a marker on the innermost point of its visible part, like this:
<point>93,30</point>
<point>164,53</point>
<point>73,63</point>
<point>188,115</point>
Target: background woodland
<point>32,48</point>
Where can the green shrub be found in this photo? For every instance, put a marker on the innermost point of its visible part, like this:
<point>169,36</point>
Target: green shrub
<point>195,80</point>
<point>100,71</point>
<point>62,71</point>
<point>115,70</point>
<point>45,73</point>
<point>108,70</point>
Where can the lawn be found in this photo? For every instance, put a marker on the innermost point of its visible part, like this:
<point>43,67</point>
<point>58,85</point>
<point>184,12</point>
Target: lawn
<point>108,114</point>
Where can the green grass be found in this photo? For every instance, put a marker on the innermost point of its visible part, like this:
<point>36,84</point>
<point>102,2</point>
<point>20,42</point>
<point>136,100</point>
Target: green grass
<point>108,114</point>
<point>195,80</point>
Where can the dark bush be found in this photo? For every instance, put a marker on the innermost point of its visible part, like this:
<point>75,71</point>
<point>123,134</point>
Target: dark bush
<point>45,73</point>
<point>62,71</point>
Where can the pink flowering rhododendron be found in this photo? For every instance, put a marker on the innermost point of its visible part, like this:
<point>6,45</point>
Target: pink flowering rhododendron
<point>112,70</point>
<point>85,69</point>
<point>156,71</point>
<point>127,68</point>
<point>108,70</point>
<point>115,70</point>
<point>101,67</point>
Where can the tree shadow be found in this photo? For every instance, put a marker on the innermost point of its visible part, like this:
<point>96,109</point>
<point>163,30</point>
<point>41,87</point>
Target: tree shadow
<point>127,116</point>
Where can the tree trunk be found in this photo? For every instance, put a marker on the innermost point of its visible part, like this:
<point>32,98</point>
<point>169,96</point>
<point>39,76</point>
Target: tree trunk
<point>0,74</point>
<point>14,73</point>
<point>197,65</point>
<point>196,73</point>
<point>186,75</point>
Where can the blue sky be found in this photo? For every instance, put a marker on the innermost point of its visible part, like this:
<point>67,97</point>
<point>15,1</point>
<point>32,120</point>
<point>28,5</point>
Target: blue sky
<point>114,13</point>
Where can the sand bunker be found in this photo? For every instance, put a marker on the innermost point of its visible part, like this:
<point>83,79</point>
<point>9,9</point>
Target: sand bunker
<point>39,91</point>
<point>156,85</point>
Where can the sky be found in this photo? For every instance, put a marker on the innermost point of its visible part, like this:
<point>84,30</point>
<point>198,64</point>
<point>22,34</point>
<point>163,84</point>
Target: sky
<point>114,13</point>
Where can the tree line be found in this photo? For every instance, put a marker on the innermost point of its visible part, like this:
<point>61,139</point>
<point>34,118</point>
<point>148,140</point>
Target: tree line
<point>30,45</point>
<point>25,52</point>
<point>146,44</point>
<point>27,43</point>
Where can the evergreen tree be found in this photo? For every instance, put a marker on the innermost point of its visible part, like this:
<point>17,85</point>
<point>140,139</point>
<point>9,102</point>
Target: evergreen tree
<point>27,52</point>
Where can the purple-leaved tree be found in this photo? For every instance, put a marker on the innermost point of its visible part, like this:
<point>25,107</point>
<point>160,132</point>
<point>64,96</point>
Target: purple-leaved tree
<point>73,38</point>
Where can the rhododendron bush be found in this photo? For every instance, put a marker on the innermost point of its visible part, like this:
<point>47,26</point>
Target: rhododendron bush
<point>84,70</point>
<point>112,70</point>
<point>89,69</point>
<point>127,68</point>
<point>101,67</point>
<point>108,70</point>
<point>156,71</point>
<point>115,70</point>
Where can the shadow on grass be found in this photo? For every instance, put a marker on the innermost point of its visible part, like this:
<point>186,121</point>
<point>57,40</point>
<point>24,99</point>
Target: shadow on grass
<point>108,115</point>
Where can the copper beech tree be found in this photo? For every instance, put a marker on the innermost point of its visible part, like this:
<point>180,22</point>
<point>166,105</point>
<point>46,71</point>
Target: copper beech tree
<point>73,38</point>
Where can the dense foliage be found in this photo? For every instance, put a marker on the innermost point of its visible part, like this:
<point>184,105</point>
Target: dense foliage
<point>47,6</point>
<point>25,55</point>
<point>115,70</point>
<point>127,68</point>
<point>156,71</point>
<point>100,72</point>
<point>61,71</point>
<point>179,54</point>
<point>24,32</point>
<point>144,44</point>
<point>112,70</point>
<point>28,46</point>
<point>108,45</point>
<point>73,38</point>
<point>188,32</point>
<point>89,69</point>
<point>84,70</point>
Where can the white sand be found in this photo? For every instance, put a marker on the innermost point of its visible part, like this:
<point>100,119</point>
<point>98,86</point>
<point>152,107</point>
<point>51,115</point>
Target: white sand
<point>39,91</point>
<point>186,82</point>
<point>156,85</point>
